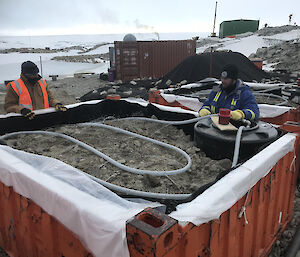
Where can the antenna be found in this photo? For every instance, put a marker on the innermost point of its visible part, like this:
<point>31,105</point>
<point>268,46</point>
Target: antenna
<point>290,18</point>
<point>213,34</point>
<point>41,66</point>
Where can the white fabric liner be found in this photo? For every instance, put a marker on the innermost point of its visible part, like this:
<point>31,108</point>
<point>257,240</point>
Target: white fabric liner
<point>51,109</point>
<point>227,191</point>
<point>253,85</point>
<point>189,102</point>
<point>175,109</point>
<point>95,214</point>
<point>271,111</point>
<point>266,110</point>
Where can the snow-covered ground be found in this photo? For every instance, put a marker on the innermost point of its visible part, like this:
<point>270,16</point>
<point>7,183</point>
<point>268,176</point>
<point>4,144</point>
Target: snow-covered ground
<point>10,63</point>
<point>85,40</point>
<point>249,44</point>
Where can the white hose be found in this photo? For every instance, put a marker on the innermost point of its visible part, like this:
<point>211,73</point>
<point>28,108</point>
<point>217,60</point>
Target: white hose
<point>269,89</point>
<point>183,122</point>
<point>237,146</point>
<point>237,139</point>
<point>128,191</point>
<point>110,160</point>
<point>284,101</point>
<point>139,171</point>
<point>111,186</point>
<point>125,190</point>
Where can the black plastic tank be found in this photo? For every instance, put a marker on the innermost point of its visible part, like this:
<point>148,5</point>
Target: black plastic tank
<point>219,144</point>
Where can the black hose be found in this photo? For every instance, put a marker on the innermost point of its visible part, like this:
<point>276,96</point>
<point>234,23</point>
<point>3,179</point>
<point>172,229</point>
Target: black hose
<point>294,246</point>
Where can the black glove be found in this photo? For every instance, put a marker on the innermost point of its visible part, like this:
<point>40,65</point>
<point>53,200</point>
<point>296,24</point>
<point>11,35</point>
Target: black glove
<point>27,113</point>
<point>60,107</point>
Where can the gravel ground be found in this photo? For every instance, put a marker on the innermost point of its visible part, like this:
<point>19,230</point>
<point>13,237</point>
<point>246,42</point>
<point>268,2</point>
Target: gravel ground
<point>131,152</point>
<point>81,49</point>
<point>94,58</point>
<point>285,56</point>
<point>269,31</point>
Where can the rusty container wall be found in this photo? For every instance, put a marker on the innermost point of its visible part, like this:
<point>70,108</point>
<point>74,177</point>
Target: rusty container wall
<point>269,208</point>
<point>26,230</point>
<point>154,58</point>
<point>127,60</point>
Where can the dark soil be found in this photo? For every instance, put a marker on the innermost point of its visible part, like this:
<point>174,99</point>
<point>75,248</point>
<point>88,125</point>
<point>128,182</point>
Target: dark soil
<point>197,67</point>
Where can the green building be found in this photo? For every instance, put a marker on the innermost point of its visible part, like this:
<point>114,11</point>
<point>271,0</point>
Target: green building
<point>235,27</point>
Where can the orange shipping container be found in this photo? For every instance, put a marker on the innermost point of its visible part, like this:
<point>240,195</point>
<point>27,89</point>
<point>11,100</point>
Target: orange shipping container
<point>28,230</point>
<point>248,229</point>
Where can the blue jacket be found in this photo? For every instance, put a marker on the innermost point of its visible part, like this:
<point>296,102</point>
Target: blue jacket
<point>240,98</point>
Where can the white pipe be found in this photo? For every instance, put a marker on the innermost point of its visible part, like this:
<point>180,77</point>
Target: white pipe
<point>128,191</point>
<point>237,146</point>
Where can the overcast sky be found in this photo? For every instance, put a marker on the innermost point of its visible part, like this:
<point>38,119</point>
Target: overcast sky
<point>54,17</point>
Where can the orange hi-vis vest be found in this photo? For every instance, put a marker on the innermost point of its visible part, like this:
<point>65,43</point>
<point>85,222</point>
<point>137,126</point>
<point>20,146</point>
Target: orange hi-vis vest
<point>24,97</point>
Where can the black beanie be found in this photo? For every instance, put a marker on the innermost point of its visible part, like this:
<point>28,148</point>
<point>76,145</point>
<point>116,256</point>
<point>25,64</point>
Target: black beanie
<point>230,71</point>
<point>29,68</point>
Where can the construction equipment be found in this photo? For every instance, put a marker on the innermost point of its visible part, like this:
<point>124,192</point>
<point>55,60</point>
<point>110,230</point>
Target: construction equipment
<point>213,34</point>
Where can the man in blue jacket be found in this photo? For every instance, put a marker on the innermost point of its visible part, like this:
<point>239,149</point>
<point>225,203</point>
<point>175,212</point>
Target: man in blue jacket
<point>232,94</point>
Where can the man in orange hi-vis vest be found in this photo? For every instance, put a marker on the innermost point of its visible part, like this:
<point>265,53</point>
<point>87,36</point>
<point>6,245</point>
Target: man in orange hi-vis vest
<point>30,92</point>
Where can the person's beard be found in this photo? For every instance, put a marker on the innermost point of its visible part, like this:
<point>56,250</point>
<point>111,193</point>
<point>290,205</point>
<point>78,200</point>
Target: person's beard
<point>230,88</point>
<point>32,80</point>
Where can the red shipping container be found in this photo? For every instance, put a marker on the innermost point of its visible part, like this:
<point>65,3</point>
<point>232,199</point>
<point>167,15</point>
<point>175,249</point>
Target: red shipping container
<point>150,59</point>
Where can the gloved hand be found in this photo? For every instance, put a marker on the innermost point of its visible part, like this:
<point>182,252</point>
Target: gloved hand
<point>60,107</point>
<point>204,112</point>
<point>237,115</point>
<point>28,113</point>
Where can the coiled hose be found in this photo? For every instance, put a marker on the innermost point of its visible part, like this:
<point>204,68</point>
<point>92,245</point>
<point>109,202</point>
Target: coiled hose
<point>124,190</point>
<point>237,139</point>
<point>284,101</point>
